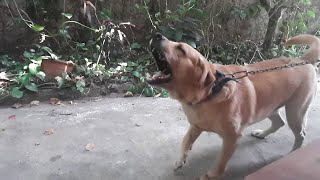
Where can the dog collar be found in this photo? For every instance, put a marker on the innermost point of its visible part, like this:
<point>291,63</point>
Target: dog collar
<point>218,84</point>
<point>221,80</point>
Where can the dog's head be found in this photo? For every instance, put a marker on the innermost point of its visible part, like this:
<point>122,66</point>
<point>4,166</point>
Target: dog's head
<point>183,71</point>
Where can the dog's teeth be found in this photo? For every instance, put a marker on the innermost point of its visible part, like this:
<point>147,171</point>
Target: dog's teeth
<point>148,75</point>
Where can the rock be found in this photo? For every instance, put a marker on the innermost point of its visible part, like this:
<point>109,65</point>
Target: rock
<point>48,131</point>
<point>55,101</point>
<point>128,94</point>
<point>90,147</point>
<point>34,103</point>
<point>17,105</point>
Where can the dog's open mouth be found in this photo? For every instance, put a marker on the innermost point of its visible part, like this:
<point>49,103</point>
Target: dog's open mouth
<point>164,73</point>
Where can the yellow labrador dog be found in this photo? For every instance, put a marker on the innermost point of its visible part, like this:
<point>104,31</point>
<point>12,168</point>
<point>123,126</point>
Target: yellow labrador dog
<point>215,103</point>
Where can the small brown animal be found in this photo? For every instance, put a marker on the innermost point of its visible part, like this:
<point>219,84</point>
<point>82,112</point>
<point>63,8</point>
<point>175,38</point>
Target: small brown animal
<point>227,107</point>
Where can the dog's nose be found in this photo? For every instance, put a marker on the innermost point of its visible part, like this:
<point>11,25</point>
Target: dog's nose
<point>157,40</point>
<point>159,37</point>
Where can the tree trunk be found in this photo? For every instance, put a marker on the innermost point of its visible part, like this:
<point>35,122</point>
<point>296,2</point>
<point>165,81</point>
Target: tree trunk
<point>271,29</point>
<point>274,14</point>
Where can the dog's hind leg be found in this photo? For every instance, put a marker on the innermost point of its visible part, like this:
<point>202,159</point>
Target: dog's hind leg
<point>190,137</point>
<point>297,122</point>
<point>297,110</point>
<point>276,123</point>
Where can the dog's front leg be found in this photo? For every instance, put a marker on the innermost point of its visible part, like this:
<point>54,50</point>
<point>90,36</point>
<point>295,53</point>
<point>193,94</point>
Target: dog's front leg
<point>188,139</point>
<point>229,145</point>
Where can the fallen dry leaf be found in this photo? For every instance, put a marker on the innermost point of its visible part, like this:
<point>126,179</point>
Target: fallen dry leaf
<point>55,101</point>
<point>12,117</point>
<point>34,103</point>
<point>71,102</point>
<point>17,105</point>
<point>128,94</point>
<point>138,125</point>
<point>89,147</point>
<point>48,131</point>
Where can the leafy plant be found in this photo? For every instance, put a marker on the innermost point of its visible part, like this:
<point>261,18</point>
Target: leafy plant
<point>27,73</point>
<point>180,24</point>
<point>247,12</point>
<point>298,16</point>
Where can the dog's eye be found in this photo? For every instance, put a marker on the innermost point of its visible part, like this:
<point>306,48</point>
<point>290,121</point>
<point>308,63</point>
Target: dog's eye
<point>180,48</point>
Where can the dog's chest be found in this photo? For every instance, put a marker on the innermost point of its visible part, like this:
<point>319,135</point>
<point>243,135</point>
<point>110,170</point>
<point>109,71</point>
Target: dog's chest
<point>203,118</point>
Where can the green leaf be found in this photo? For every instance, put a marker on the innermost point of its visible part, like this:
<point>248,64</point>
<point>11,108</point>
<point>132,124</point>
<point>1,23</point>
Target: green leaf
<point>15,92</point>
<point>66,76</point>
<point>301,27</point>
<point>178,36</point>
<point>312,14</point>
<point>134,89</point>
<point>32,87</point>
<point>129,69</point>
<point>67,15</point>
<point>308,2</point>
<point>252,11</point>
<point>41,75</point>
<point>182,10</point>
<point>28,54</point>
<point>164,94</point>
<point>242,14</point>
<point>143,79</point>
<point>105,14</point>
<point>174,18</point>
<point>80,85</point>
<point>192,43</point>
<point>135,46</point>
<point>38,59</point>
<point>48,50</point>
<point>157,15</point>
<point>136,74</point>
<point>65,33</point>
<point>60,81</point>
<point>37,28</point>
<point>81,45</point>
<point>25,79</point>
<point>34,68</point>
<point>149,91</point>
<point>130,63</point>
<point>124,78</point>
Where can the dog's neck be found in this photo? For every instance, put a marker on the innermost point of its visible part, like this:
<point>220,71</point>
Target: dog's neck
<point>220,81</point>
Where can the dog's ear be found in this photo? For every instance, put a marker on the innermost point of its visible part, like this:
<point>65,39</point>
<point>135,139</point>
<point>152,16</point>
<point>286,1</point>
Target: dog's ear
<point>207,78</point>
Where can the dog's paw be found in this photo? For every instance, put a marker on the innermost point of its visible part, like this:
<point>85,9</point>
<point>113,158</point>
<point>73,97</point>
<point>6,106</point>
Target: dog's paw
<point>207,177</point>
<point>258,134</point>
<point>179,164</point>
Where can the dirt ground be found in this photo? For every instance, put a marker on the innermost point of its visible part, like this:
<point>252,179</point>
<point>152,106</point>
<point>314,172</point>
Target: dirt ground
<point>133,138</point>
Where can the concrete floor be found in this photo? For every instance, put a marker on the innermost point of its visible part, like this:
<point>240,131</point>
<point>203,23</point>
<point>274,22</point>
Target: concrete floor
<point>135,139</point>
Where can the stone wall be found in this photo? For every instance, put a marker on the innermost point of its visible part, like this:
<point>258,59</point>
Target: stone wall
<point>11,31</point>
<point>223,25</point>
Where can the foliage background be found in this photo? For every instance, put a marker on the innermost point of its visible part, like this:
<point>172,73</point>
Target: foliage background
<point>108,39</point>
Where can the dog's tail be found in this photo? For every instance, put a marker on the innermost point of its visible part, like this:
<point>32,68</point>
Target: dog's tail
<point>313,53</point>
